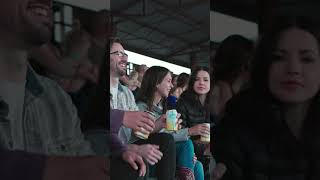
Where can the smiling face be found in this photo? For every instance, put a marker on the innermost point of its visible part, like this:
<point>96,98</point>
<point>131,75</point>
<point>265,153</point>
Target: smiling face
<point>165,86</point>
<point>118,64</point>
<point>202,83</point>
<point>30,21</point>
<point>295,71</point>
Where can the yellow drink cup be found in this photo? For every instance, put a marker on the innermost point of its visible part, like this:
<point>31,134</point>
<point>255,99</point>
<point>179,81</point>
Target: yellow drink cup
<point>206,138</point>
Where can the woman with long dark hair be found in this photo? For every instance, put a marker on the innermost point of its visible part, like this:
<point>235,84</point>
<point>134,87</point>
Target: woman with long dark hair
<point>271,131</point>
<point>155,88</point>
<point>193,106</point>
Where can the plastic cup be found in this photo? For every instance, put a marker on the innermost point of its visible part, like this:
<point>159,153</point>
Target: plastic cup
<point>141,135</point>
<point>206,138</point>
<point>171,120</point>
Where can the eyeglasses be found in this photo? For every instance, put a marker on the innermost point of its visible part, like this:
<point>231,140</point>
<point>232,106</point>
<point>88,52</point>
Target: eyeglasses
<point>120,54</point>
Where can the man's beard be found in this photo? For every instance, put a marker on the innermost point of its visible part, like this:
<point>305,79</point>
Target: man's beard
<point>121,72</point>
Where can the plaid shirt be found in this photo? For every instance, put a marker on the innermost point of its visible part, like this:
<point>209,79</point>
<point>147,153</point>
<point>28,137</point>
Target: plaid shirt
<point>50,124</point>
<point>125,101</point>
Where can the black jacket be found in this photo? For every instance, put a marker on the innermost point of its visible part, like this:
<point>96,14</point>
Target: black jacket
<point>255,143</point>
<point>192,111</point>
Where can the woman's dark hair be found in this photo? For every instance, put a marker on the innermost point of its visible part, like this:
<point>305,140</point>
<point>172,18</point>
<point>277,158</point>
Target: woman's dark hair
<point>183,80</point>
<point>190,92</point>
<point>152,77</point>
<point>233,54</point>
<point>264,59</point>
<point>269,41</point>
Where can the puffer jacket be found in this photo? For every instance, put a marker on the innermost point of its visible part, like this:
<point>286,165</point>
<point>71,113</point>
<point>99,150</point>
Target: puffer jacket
<point>255,143</point>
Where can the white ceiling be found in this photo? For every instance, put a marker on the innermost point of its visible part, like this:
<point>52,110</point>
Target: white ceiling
<point>95,5</point>
<point>222,26</point>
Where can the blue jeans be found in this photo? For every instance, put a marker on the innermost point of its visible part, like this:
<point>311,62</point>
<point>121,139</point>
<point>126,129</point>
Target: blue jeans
<point>184,156</point>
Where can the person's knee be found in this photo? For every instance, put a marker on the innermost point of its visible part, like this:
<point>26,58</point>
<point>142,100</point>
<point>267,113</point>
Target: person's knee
<point>198,170</point>
<point>188,146</point>
<point>198,166</point>
<point>165,139</point>
<point>167,144</point>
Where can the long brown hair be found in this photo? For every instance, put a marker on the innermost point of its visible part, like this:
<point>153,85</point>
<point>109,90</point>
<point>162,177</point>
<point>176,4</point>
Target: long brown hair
<point>152,77</point>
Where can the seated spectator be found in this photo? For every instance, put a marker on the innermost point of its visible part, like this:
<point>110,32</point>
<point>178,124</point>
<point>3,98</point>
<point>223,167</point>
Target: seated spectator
<point>134,84</point>
<point>159,148</point>
<point>141,69</point>
<point>38,116</point>
<point>271,130</point>
<point>155,88</point>
<point>59,167</point>
<point>174,80</point>
<point>231,68</point>
<point>176,91</point>
<point>194,110</point>
<point>96,130</point>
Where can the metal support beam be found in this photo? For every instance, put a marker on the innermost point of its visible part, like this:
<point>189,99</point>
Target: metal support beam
<point>125,7</point>
<point>143,38</point>
<point>189,46</point>
<point>146,25</point>
<point>187,19</point>
<point>198,50</point>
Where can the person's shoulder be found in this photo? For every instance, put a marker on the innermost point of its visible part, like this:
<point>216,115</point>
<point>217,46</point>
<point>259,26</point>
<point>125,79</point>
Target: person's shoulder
<point>186,96</point>
<point>124,88</point>
<point>186,99</point>
<point>50,84</point>
<point>52,99</point>
<point>52,90</point>
<point>245,106</point>
<point>245,97</point>
<point>141,105</point>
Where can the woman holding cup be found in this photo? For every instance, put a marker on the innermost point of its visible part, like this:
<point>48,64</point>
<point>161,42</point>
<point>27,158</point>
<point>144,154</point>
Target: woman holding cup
<point>193,106</point>
<point>271,130</point>
<point>155,88</point>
